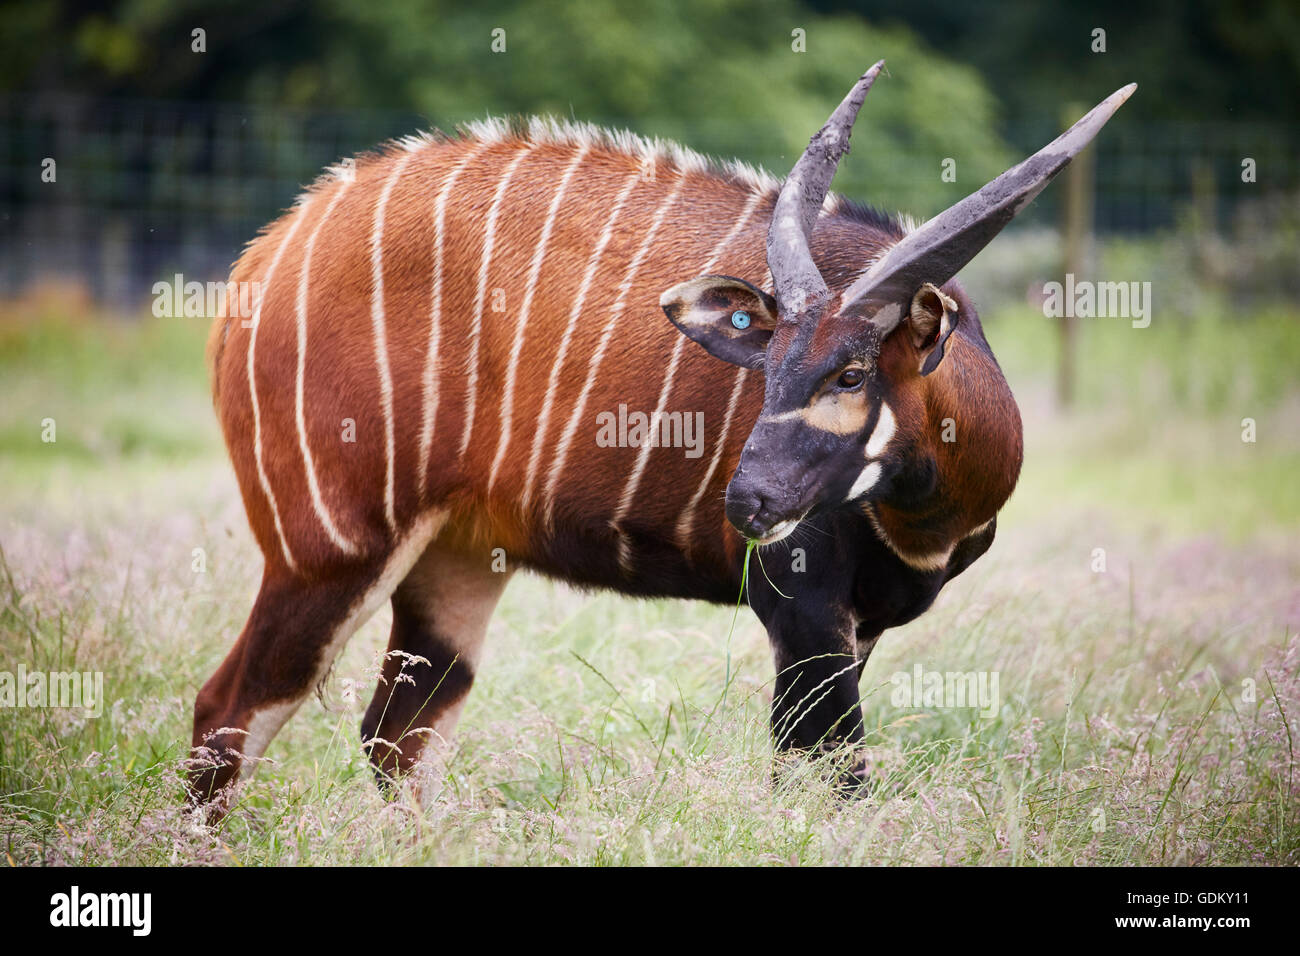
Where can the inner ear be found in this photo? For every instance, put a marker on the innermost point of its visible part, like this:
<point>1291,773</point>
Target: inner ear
<point>731,318</point>
<point>932,318</point>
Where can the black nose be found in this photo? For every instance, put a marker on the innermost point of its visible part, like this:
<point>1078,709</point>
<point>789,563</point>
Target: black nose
<point>749,513</point>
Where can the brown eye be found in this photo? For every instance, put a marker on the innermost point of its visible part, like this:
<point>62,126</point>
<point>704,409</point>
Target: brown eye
<point>851,378</point>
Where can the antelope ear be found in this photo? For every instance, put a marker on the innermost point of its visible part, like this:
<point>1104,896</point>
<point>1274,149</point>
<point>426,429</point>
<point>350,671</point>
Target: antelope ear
<point>732,319</point>
<point>931,320</point>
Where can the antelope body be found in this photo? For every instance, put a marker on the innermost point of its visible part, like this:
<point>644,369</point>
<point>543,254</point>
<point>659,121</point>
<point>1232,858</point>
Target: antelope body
<point>419,389</point>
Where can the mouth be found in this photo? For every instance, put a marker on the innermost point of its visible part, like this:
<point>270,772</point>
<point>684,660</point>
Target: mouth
<point>779,530</point>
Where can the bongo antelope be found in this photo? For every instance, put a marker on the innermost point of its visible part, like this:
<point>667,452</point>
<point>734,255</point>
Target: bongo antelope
<point>440,327</point>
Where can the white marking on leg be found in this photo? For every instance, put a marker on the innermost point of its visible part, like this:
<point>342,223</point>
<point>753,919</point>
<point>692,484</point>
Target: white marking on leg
<point>508,393</point>
<point>380,335</point>
<point>562,450</point>
<point>476,330</point>
<point>430,381</point>
<point>687,519</point>
<point>265,723</point>
<point>454,598</point>
<point>317,501</point>
<point>665,391</point>
<point>552,385</point>
<point>262,476</point>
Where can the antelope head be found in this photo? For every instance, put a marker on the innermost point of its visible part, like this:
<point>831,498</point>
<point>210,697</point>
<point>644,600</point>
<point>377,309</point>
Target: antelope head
<point>824,436</point>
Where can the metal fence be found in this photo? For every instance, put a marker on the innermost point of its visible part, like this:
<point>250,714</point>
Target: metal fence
<point>145,189</point>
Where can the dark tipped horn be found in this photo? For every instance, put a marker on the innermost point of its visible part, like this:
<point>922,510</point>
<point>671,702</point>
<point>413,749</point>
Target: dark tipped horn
<point>938,249</point>
<point>789,256</point>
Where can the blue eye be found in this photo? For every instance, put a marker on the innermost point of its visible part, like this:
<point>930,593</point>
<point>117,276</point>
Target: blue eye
<point>740,319</point>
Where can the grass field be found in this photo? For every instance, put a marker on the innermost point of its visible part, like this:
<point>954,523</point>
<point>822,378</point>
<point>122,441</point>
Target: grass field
<point>1146,712</point>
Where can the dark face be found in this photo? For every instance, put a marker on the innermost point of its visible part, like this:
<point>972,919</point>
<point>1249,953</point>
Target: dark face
<point>823,429</point>
<point>826,429</point>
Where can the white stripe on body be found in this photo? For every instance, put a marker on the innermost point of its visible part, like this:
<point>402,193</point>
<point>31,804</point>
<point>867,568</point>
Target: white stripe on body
<point>552,385</point>
<point>378,324</point>
<point>313,484</point>
<point>508,393</point>
<point>430,382</point>
<point>476,330</point>
<point>620,303</point>
<point>252,388</point>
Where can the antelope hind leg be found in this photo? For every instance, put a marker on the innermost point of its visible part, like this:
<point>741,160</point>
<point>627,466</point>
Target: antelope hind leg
<point>291,638</point>
<point>440,616</point>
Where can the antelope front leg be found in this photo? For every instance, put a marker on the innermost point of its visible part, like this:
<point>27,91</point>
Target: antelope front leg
<point>815,704</point>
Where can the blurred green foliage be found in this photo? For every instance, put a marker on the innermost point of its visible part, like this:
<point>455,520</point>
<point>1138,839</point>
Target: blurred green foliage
<point>721,75</point>
<point>1194,59</point>
<point>1199,58</point>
